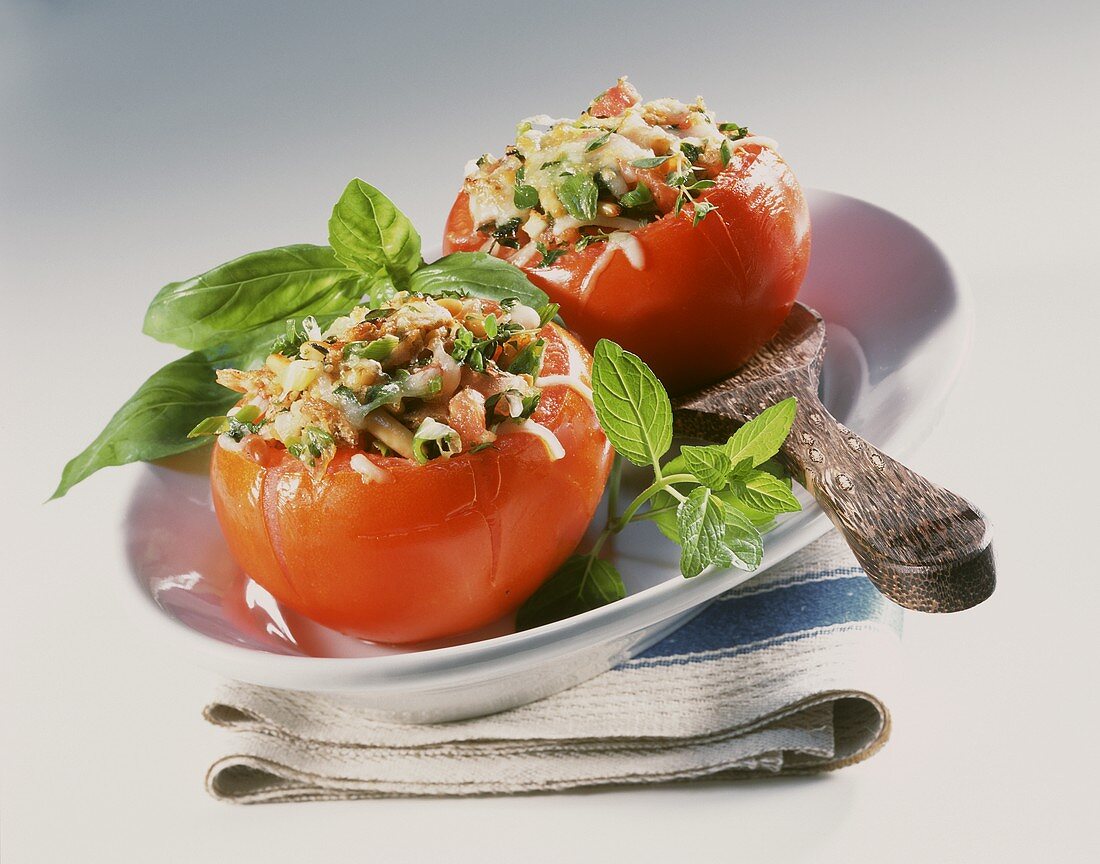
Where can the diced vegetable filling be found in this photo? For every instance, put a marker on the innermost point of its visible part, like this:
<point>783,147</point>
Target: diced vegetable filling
<point>568,183</point>
<point>424,378</point>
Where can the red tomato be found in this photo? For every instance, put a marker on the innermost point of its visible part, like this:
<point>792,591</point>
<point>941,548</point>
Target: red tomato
<point>615,101</point>
<point>706,297</point>
<point>444,547</point>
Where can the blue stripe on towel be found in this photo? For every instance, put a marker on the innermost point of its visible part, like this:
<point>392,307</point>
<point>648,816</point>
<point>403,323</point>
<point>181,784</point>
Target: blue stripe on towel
<point>754,615</point>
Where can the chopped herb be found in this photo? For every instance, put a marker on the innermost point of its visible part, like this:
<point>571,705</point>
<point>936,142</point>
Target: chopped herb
<point>724,152</point>
<point>525,197</point>
<point>553,163</point>
<point>517,405</point>
<point>291,340</point>
<point>578,194</point>
<point>733,131</point>
<point>313,442</point>
<point>490,325</point>
<point>702,208</point>
<point>691,151</point>
<point>549,256</point>
<point>597,143</point>
<point>529,360</point>
<point>639,196</point>
<point>651,162</point>
<point>485,445</point>
<point>505,234</point>
<point>588,239</point>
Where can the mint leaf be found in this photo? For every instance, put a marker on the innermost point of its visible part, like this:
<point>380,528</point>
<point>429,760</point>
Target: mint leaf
<point>710,465</point>
<point>741,540</point>
<point>701,526</point>
<point>368,233</point>
<point>580,584</point>
<point>761,437</point>
<point>578,194</point>
<point>250,292</point>
<point>763,492</point>
<point>631,405</point>
<point>742,469</point>
<point>480,274</point>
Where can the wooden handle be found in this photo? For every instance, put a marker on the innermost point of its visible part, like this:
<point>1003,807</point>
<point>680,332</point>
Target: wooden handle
<point>922,546</point>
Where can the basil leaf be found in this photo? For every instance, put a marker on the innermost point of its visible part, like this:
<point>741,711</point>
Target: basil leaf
<point>368,233</point>
<point>580,584</point>
<point>651,162</point>
<point>710,465</point>
<point>250,292</point>
<point>480,274</point>
<point>701,525</point>
<point>763,492</point>
<point>155,421</point>
<point>761,437</point>
<point>578,194</point>
<point>742,540</point>
<point>631,405</point>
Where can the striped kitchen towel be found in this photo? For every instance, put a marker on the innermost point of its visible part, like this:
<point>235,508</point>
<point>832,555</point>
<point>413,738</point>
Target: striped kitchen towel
<point>788,673</point>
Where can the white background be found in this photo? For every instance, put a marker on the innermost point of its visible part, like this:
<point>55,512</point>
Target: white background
<point>142,143</point>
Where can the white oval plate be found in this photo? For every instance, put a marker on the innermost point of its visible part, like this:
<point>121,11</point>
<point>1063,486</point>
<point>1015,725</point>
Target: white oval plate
<point>898,328</point>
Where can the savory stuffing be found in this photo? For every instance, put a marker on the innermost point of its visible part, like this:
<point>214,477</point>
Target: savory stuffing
<point>424,378</point>
<point>567,183</point>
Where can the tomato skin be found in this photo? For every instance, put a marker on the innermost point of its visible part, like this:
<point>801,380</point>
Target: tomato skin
<point>707,297</point>
<point>444,548</point>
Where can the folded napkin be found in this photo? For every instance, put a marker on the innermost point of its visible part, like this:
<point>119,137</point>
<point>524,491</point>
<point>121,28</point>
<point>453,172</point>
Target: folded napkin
<point>784,674</point>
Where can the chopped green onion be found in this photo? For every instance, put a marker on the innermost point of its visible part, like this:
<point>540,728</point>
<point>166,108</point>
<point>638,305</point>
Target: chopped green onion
<point>433,435</point>
<point>547,314</point>
<point>246,414</point>
<point>210,426</point>
<point>375,349</point>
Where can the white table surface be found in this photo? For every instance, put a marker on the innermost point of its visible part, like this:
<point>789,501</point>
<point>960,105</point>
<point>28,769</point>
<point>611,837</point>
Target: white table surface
<point>140,143</point>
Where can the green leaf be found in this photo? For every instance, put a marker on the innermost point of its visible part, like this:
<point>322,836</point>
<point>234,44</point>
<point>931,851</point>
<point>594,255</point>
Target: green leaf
<point>597,143</point>
<point>578,194</point>
<point>631,405</point>
<point>249,292</point>
<point>479,274</point>
<point>763,492</point>
<point>742,540</point>
<point>639,196</point>
<point>368,233</point>
<point>651,162</point>
<point>525,197</point>
<point>761,437</point>
<point>156,420</point>
<point>529,360</point>
<point>711,465</point>
<point>702,526</point>
<point>580,584</point>
<point>663,501</point>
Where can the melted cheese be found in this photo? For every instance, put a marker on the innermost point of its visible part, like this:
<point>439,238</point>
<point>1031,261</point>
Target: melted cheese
<point>553,446</point>
<point>368,471</point>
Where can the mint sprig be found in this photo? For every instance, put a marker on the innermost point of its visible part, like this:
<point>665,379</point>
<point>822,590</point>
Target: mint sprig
<point>712,500</point>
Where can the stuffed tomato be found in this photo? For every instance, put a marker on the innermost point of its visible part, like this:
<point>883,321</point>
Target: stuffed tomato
<point>412,472</point>
<point>682,239</point>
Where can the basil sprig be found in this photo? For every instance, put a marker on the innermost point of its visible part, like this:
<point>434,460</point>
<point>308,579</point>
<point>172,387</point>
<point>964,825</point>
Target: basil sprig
<point>712,500</point>
<point>231,315</point>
